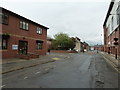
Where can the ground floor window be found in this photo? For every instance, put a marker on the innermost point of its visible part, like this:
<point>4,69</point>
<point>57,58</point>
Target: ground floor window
<point>3,43</point>
<point>39,44</point>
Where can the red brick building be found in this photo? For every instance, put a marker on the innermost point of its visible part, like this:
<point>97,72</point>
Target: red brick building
<point>111,28</point>
<point>49,43</point>
<point>21,36</point>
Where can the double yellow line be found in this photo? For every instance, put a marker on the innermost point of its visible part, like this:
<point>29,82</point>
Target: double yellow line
<point>113,65</point>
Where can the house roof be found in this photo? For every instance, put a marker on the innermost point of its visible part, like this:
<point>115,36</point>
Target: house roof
<point>3,9</point>
<point>109,10</point>
<point>78,38</point>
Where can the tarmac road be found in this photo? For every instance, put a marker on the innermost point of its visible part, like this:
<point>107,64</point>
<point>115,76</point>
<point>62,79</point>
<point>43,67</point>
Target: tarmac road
<point>88,70</point>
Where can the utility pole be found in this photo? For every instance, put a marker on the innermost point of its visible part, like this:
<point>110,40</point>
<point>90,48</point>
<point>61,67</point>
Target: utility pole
<point>97,48</point>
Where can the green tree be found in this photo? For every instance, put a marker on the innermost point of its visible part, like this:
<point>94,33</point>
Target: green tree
<point>62,42</point>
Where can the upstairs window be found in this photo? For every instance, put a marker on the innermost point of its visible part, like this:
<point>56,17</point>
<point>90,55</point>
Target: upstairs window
<point>23,25</point>
<point>3,18</point>
<point>112,24</point>
<point>39,30</point>
<point>118,15</point>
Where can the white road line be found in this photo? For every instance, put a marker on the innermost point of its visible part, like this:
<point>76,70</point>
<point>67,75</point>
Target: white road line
<point>37,72</point>
<point>25,77</point>
<point>3,86</point>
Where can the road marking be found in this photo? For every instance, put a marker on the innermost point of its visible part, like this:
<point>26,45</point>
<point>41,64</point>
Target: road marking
<point>25,77</point>
<point>56,58</point>
<point>3,86</point>
<point>68,57</point>
<point>37,72</point>
<point>111,64</point>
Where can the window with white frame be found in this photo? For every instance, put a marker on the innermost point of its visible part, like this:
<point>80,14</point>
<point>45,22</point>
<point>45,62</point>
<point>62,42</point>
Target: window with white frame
<point>23,25</point>
<point>39,30</point>
<point>112,24</point>
<point>118,15</point>
<point>108,29</point>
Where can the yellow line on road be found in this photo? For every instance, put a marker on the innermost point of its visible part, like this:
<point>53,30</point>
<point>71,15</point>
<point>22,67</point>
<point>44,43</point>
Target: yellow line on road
<point>111,64</point>
<point>56,58</point>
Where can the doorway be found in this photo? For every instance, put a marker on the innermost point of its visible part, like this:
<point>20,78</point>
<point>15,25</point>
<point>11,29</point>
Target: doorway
<point>23,46</point>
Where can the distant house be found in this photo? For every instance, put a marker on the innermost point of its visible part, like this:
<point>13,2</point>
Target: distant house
<point>86,46</point>
<point>77,44</point>
<point>49,43</point>
<point>21,36</point>
<point>99,47</point>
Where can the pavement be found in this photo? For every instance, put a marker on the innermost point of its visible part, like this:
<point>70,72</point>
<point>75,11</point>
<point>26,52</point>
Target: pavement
<point>111,60</point>
<point>9,65</point>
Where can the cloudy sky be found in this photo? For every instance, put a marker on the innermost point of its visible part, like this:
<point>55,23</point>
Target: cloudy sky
<point>77,18</point>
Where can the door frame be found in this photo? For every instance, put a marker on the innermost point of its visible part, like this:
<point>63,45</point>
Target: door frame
<point>26,50</point>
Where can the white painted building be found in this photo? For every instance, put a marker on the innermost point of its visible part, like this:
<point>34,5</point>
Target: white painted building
<point>78,44</point>
<point>113,19</point>
<point>112,28</point>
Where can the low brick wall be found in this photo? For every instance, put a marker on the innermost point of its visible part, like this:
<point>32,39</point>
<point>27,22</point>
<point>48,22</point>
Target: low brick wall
<point>62,51</point>
<point>28,57</point>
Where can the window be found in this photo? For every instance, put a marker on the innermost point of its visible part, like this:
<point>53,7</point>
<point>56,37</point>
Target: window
<point>39,44</point>
<point>118,15</point>
<point>0,17</point>
<point>39,30</point>
<point>3,44</point>
<point>3,18</point>
<point>112,24</point>
<point>23,25</point>
<point>108,29</point>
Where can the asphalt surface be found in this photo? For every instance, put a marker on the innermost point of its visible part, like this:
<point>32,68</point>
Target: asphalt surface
<point>88,70</point>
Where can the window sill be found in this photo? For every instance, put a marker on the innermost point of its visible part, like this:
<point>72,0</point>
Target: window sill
<point>4,50</point>
<point>4,23</point>
<point>39,34</point>
<point>39,49</point>
<point>24,29</point>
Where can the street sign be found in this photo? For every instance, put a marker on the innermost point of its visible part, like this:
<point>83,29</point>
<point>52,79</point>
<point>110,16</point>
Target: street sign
<point>115,43</point>
<point>14,47</point>
<point>116,39</point>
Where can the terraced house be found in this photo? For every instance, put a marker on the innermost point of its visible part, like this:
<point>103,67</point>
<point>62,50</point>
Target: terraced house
<point>21,36</point>
<point>112,29</point>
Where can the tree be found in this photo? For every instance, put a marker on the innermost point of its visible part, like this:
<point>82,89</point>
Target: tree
<point>72,43</point>
<point>62,42</point>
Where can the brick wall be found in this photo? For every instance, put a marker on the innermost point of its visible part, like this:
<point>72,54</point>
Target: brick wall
<point>16,34</point>
<point>62,51</point>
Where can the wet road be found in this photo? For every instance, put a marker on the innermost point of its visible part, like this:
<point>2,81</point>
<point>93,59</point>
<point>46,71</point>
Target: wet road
<point>88,70</point>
